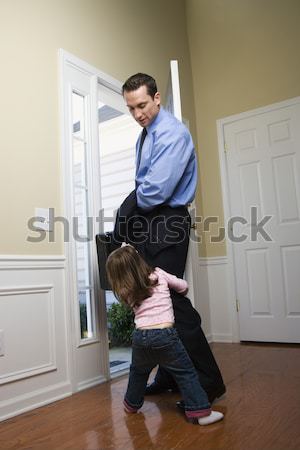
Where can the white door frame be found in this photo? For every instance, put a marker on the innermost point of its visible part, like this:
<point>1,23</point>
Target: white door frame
<point>232,295</point>
<point>192,257</point>
<point>96,76</point>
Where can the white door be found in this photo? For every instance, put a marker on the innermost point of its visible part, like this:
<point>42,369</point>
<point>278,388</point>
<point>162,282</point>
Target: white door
<point>263,172</point>
<point>173,104</point>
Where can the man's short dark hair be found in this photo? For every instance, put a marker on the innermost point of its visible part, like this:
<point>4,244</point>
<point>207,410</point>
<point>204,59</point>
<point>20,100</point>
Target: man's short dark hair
<point>140,79</point>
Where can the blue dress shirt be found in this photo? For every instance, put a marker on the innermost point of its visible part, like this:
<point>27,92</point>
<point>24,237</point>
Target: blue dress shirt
<point>167,173</point>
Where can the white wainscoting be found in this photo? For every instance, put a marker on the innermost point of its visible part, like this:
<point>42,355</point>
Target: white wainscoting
<point>216,303</point>
<point>34,369</point>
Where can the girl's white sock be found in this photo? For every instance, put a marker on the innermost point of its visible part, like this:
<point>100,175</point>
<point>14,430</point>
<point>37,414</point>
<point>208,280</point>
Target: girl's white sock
<point>214,416</point>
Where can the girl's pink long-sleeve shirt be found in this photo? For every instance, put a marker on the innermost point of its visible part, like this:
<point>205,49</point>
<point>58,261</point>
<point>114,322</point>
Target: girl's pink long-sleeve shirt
<point>158,308</point>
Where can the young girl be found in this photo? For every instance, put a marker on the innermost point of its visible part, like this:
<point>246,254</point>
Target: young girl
<point>155,340</point>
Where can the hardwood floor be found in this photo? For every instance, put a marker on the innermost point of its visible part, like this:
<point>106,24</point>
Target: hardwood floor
<point>261,406</point>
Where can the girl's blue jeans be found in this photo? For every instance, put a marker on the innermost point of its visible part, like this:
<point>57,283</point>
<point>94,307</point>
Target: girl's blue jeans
<point>163,347</point>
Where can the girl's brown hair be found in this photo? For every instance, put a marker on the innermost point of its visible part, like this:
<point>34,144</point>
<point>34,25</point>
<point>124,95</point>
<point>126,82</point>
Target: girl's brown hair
<point>128,275</point>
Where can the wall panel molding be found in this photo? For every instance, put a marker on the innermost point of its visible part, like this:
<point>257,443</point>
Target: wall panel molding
<point>36,368</point>
<point>11,262</point>
<point>20,292</point>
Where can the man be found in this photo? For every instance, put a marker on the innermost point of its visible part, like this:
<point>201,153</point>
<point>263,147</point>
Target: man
<point>155,219</point>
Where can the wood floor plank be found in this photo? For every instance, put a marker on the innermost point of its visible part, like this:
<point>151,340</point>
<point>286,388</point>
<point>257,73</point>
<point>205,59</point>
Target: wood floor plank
<point>261,407</point>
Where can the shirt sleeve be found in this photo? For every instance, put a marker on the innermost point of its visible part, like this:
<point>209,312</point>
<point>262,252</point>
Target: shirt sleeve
<point>179,285</point>
<point>170,156</point>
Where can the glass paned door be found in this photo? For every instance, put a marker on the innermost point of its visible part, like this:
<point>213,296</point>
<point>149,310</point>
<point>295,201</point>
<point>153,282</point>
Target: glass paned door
<point>117,136</point>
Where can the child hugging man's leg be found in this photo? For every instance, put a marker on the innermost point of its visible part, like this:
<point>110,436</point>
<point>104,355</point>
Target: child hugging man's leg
<point>155,341</point>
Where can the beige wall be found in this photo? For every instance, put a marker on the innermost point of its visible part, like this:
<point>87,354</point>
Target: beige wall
<point>245,54</point>
<point>119,37</point>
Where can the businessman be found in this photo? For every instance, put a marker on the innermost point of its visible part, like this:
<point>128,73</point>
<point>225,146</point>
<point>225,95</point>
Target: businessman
<point>155,219</point>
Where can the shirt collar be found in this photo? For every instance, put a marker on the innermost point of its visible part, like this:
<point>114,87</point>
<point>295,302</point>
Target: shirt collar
<point>156,121</point>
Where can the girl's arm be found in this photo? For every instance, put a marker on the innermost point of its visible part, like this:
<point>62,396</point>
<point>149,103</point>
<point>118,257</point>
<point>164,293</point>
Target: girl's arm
<point>175,283</point>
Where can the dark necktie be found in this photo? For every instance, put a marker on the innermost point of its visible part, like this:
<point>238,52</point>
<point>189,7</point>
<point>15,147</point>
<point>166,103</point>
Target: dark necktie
<point>143,137</point>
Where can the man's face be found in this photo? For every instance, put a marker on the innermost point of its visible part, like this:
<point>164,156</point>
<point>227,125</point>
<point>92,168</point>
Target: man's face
<point>142,106</point>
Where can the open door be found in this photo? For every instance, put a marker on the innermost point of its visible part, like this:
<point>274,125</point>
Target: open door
<point>173,105</point>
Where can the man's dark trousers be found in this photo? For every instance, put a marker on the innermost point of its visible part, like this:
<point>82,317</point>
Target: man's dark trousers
<point>165,244</point>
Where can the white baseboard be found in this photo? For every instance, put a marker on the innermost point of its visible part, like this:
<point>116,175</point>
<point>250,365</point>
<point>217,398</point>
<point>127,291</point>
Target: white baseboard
<point>90,383</point>
<point>28,402</point>
<point>226,338</point>
<point>212,260</point>
<point>219,338</point>
<point>209,338</point>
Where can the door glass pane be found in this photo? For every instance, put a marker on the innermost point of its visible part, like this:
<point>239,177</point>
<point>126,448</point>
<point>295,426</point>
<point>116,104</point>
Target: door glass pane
<point>81,220</point>
<point>80,210</point>
<point>79,161</point>
<point>118,133</point>
<point>86,325</point>
<point>82,257</point>
<point>78,115</point>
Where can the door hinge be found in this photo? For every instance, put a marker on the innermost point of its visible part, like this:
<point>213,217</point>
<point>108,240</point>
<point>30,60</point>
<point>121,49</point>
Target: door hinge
<point>237,304</point>
<point>225,147</point>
